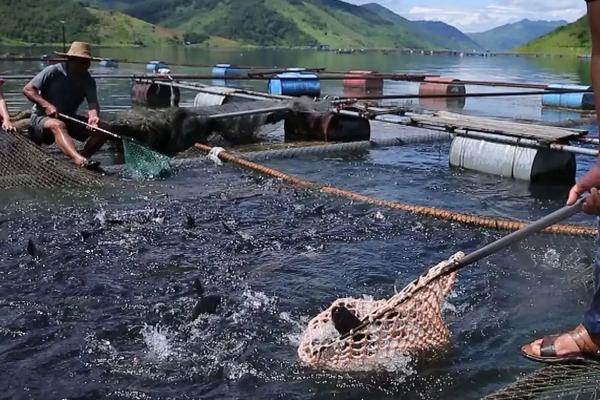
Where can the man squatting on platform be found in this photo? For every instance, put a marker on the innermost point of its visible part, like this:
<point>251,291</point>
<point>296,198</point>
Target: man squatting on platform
<point>61,88</point>
<point>583,343</point>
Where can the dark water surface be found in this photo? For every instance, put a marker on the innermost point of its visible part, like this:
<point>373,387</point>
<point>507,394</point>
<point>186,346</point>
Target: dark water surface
<point>102,309</point>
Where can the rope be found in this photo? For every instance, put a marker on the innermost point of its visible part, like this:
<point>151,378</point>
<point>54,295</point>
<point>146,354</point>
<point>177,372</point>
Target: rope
<point>434,212</point>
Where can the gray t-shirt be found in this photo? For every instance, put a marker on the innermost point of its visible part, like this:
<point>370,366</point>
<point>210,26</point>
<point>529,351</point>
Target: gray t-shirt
<point>65,92</point>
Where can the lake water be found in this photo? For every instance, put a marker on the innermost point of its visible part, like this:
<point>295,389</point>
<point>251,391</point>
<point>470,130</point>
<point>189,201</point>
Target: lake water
<point>104,311</point>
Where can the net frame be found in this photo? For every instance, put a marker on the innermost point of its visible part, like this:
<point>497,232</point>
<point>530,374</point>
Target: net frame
<point>408,322</point>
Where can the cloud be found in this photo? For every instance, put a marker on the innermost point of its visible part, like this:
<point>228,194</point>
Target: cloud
<point>483,17</point>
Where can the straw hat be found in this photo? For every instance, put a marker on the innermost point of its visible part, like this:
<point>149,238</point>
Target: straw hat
<point>81,50</point>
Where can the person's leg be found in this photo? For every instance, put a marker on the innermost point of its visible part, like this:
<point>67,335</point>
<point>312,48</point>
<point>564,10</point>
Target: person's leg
<point>93,144</point>
<point>93,139</point>
<point>64,142</point>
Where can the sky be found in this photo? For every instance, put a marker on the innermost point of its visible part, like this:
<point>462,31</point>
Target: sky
<point>481,15</point>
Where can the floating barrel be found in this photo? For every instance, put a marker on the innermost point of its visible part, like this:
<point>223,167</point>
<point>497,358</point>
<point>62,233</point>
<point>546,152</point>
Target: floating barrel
<point>363,79</point>
<point>226,71</point>
<point>217,96</point>
<point>154,66</point>
<point>154,95</point>
<point>533,165</point>
<point>578,101</point>
<point>328,127</point>
<point>442,86</point>
<point>109,63</point>
<point>295,84</point>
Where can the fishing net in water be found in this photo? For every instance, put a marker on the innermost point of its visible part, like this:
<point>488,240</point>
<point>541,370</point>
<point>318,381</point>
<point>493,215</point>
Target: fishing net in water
<point>25,164</point>
<point>565,381</point>
<point>409,322</point>
<point>144,163</point>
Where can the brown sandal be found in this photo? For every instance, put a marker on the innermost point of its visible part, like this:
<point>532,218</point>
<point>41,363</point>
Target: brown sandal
<point>589,350</point>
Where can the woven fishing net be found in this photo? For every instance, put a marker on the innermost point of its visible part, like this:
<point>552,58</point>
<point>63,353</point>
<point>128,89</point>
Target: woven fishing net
<point>567,381</point>
<point>409,322</point>
<point>144,163</point>
<point>24,164</point>
<point>173,130</point>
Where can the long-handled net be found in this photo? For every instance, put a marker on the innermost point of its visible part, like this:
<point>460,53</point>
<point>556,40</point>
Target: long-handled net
<point>141,161</point>
<point>409,322</point>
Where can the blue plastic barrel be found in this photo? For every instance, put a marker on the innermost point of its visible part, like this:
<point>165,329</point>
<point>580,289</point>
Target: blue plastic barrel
<point>154,66</point>
<point>109,63</point>
<point>577,101</point>
<point>226,71</point>
<point>295,84</point>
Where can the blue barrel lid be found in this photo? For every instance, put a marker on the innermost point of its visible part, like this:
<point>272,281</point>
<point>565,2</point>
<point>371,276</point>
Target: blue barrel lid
<point>296,75</point>
<point>568,86</point>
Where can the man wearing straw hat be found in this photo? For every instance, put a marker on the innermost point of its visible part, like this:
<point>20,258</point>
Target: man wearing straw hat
<point>60,89</point>
<point>581,344</point>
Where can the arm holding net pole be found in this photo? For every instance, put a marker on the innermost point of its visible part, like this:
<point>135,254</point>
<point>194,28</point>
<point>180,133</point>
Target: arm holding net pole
<point>534,227</point>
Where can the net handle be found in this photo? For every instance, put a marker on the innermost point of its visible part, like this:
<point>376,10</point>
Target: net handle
<point>528,230</point>
<point>97,128</point>
<point>534,227</point>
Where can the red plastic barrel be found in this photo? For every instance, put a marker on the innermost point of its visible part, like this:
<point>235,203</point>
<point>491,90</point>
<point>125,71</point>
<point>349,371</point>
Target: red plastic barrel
<point>363,79</point>
<point>327,127</point>
<point>154,95</point>
<point>442,86</point>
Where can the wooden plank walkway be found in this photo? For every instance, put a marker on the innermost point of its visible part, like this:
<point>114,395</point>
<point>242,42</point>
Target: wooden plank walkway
<point>453,121</point>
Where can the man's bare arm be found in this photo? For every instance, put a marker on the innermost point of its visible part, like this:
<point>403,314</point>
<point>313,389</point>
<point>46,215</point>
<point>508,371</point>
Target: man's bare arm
<point>32,93</point>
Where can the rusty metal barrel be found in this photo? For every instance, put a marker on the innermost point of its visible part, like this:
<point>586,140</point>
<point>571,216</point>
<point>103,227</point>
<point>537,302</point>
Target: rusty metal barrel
<point>363,79</point>
<point>440,85</point>
<point>154,95</point>
<point>327,127</point>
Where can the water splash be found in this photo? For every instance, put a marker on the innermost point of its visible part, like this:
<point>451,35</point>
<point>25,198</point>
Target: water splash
<point>157,340</point>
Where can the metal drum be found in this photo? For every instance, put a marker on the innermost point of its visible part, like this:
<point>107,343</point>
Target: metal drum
<point>577,101</point>
<point>154,66</point>
<point>295,84</point>
<point>217,96</point>
<point>442,86</point>
<point>327,127</point>
<point>226,71</point>
<point>154,95</point>
<point>533,165</point>
<point>363,79</point>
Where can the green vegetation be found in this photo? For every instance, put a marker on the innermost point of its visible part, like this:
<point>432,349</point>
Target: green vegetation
<point>39,21</point>
<point>573,39</point>
<point>509,36</point>
<point>290,23</point>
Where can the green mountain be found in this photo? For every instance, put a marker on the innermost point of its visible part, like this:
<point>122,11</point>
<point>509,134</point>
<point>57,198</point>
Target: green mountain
<point>288,23</point>
<point>437,35</point>
<point>509,36</point>
<point>39,21</point>
<point>446,35</point>
<point>573,38</point>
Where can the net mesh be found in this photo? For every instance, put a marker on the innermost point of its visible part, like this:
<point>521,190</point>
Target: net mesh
<point>566,381</point>
<point>143,163</point>
<point>409,322</point>
<point>24,164</point>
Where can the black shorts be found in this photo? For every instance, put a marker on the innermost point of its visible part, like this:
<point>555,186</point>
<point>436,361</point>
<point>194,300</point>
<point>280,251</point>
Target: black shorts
<point>44,136</point>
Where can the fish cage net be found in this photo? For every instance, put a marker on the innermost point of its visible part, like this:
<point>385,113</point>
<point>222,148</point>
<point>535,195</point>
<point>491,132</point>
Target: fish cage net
<point>410,321</point>
<point>563,381</point>
<point>25,164</point>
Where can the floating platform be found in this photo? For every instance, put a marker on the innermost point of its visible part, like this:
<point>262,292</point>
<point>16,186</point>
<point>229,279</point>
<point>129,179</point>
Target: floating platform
<point>452,121</point>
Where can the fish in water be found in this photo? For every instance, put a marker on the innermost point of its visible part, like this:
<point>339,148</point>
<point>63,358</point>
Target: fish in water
<point>189,222</point>
<point>206,304</point>
<point>32,249</point>
<point>343,319</point>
